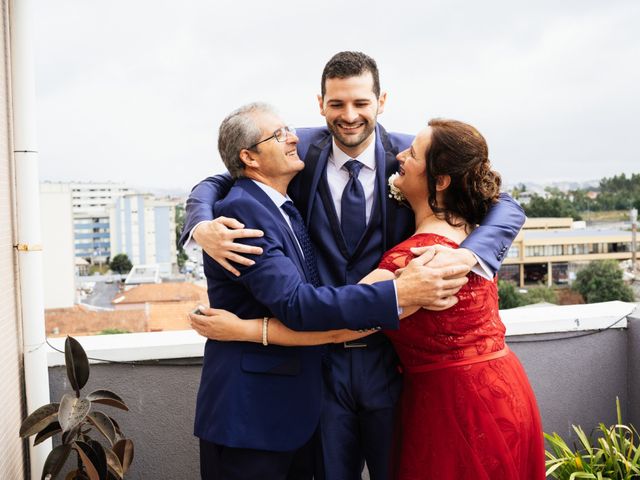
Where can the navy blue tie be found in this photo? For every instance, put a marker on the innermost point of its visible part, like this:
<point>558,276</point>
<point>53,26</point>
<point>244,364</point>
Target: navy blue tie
<point>353,207</point>
<point>300,231</point>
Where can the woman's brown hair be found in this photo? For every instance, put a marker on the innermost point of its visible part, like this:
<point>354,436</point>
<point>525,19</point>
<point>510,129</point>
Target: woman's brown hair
<point>460,151</point>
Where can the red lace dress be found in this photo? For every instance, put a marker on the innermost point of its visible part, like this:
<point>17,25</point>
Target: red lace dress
<point>467,410</point>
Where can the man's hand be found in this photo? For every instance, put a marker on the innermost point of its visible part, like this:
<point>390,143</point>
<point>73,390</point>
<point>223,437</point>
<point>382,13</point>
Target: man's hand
<point>445,256</point>
<point>222,325</point>
<point>217,238</point>
<point>433,288</point>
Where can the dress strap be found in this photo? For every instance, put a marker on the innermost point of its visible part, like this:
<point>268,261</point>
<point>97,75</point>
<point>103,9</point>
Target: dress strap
<point>457,363</point>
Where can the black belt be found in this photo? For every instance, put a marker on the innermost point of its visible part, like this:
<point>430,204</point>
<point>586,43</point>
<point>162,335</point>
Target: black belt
<point>372,340</point>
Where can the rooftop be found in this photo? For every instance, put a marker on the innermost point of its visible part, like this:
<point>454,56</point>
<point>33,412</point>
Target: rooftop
<point>162,293</point>
<point>574,233</point>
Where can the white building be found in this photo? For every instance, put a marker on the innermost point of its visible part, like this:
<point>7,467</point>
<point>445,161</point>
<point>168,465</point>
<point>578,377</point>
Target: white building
<point>144,228</point>
<point>90,205</point>
<point>57,245</point>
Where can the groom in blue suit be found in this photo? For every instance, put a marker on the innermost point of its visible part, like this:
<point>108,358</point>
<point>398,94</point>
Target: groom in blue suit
<point>361,379</point>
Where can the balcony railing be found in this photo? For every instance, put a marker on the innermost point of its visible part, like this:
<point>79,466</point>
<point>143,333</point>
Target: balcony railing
<point>579,359</point>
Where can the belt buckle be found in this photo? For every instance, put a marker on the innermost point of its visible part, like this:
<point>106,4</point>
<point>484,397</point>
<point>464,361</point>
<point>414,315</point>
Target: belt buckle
<point>354,344</point>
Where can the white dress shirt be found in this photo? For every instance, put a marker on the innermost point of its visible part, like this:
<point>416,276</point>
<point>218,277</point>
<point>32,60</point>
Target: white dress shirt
<point>278,199</point>
<point>337,176</point>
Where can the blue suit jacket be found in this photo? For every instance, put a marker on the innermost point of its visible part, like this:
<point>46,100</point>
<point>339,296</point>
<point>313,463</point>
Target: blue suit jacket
<point>268,398</point>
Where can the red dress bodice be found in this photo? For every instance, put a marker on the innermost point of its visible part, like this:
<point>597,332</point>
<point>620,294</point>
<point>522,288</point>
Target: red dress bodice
<point>471,327</point>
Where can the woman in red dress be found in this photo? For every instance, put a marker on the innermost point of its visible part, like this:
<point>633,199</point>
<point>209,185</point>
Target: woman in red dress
<point>467,410</point>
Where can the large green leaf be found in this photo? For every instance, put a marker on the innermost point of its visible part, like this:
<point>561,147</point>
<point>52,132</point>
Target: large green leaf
<point>39,419</point>
<point>77,363</point>
<point>107,398</point>
<point>55,461</point>
<point>114,463</point>
<point>104,425</point>
<point>124,450</point>
<point>50,431</point>
<point>101,458</point>
<point>72,411</point>
<point>89,459</point>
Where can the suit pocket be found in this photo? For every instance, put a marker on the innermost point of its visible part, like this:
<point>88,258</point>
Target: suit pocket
<point>270,364</point>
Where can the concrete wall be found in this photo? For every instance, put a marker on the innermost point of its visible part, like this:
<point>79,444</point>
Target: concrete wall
<point>575,380</point>
<point>633,360</point>
<point>162,401</point>
<point>11,451</point>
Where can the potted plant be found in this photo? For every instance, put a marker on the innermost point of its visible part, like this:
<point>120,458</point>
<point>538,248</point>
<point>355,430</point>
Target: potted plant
<point>75,418</point>
<point>614,455</point>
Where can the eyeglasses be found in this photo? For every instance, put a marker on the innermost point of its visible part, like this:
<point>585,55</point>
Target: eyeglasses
<point>280,135</point>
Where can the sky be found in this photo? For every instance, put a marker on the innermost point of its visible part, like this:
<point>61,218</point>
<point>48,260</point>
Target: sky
<point>134,91</point>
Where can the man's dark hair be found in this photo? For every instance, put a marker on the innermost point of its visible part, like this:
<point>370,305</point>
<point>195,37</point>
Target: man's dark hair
<point>350,64</point>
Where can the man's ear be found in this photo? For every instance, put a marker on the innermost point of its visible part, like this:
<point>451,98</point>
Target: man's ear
<point>443,182</point>
<point>246,156</point>
<point>382,99</point>
<point>321,104</point>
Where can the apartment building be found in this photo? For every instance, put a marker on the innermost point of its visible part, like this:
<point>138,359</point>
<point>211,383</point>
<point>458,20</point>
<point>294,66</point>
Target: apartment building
<point>90,204</point>
<point>144,228</point>
<point>553,250</point>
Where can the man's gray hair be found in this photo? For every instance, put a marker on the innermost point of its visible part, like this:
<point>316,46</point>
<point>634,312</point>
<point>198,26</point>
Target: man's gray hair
<point>238,131</point>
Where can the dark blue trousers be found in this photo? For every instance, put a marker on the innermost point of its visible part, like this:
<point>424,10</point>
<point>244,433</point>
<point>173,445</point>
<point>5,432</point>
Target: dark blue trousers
<point>362,387</point>
<point>218,462</point>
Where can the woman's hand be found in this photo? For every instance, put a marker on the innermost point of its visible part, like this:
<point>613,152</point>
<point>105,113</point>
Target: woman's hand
<point>224,326</point>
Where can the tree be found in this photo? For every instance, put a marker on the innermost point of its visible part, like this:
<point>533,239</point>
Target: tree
<point>182,257</point>
<point>601,281</point>
<point>121,263</point>
<point>508,295</point>
<point>541,293</point>
<point>555,206</point>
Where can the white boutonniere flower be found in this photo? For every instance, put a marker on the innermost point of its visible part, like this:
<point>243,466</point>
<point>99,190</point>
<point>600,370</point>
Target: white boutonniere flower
<point>394,192</point>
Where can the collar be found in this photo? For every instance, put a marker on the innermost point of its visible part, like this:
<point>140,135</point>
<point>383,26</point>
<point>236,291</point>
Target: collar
<point>276,197</point>
<point>367,158</point>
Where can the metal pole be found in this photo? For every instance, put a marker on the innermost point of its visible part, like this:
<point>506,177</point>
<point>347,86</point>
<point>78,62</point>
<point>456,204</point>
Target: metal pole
<point>634,244</point>
<point>29,241</point>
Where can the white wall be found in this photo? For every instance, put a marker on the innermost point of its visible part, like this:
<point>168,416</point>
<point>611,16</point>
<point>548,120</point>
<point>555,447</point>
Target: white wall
<point>57,242</point>
<point>11,451</point>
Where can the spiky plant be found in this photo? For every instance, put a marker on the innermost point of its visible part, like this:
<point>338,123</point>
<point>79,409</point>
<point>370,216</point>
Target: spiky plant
<point>76,418</point>
<point>614,455</point>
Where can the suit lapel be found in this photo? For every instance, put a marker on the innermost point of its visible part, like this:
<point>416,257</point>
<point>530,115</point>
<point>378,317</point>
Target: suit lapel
<point>315,166</point>
<point>332,215</point>
<point>256,192</point>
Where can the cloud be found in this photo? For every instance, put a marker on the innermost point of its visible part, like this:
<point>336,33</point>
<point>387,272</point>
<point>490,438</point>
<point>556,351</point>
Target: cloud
<point>134,91</point>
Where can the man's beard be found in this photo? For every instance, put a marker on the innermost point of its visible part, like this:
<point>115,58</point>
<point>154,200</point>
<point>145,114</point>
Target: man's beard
<point>351,140</point>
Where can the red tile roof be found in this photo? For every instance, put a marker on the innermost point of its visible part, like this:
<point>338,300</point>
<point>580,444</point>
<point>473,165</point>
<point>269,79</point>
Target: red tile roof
<point>162,292</point>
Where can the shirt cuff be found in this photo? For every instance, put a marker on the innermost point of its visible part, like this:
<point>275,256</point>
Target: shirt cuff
<point>481,269</point>
<point>190,242</point>
<point>395,291</point>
